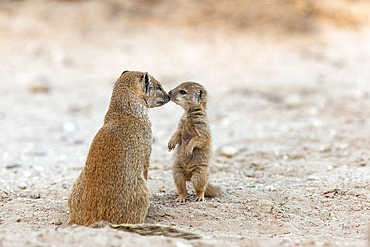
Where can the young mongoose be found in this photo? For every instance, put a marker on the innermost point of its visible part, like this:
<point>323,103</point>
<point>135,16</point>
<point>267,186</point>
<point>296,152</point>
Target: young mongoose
<point>193,140</point>
<point>112,186</point>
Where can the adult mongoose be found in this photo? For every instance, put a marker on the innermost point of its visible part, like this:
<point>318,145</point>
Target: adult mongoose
<point>112,186</point>
<point>193,140</point>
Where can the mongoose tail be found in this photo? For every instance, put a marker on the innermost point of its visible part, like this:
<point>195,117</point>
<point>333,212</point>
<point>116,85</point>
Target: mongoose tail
<point>156,230</point>
<point>212,191</point>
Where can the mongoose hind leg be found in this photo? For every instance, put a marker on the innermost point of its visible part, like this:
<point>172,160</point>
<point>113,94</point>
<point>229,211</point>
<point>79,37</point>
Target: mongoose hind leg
<point>180,182</point>
<point>199,181</point>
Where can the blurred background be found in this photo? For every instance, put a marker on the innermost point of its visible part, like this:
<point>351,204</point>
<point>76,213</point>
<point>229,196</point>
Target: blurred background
<point>216,42</point>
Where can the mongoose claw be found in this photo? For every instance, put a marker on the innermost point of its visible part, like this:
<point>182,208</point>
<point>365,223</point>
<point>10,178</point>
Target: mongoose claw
<point>171,145</point>
<point>200,199</point>
<point>181,199</point>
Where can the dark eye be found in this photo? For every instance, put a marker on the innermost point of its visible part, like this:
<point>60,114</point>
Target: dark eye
<point>159,88</point>
<point>182,92</point>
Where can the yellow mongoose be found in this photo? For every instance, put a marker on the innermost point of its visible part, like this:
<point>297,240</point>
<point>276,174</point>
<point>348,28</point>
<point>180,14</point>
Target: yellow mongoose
<point>193,140</point>
<point>112,186</point>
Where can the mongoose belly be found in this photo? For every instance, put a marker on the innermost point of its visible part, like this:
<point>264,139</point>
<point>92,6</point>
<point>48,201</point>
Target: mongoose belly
<point>197,162</point>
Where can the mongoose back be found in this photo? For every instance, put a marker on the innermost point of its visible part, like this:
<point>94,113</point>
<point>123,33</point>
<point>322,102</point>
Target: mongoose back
<point>193,140</point>
<point>112,186</point>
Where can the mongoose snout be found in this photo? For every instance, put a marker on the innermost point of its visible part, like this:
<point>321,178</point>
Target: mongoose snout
<point>164,100</point>
<point>155,95</point>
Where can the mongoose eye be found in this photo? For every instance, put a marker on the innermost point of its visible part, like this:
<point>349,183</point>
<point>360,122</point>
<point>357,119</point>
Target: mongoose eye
<point>182,92</point>
<point>159,88</point>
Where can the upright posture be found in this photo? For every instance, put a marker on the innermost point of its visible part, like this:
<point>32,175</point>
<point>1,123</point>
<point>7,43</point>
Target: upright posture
<point>113,184</point>
<point>193,140</point>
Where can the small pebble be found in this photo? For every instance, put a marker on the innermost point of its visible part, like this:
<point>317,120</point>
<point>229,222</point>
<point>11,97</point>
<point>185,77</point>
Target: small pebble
<point>180,244</point>
<point>39,86</point>
<point>229,151</point>
<point>57,222</point>
<point>312,177</point>
<point>69,127</point>
<point>22,186</point>
<point>324,149</point>
<point>35,196</point>
<point>270,188</point>
<point>265,203</point>
<point>13,165</point>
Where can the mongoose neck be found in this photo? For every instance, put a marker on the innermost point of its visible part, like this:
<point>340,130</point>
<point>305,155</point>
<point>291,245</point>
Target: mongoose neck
<point>126,103</point>
<point>196,112</point>
<point>197,108</point>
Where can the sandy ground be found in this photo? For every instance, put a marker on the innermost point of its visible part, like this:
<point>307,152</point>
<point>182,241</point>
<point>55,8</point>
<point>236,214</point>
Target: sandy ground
<point>289,116</point>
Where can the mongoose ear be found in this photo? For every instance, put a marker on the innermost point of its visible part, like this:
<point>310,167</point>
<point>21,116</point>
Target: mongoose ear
<point>201,96</point>
<point>146,82</point>
<point>124,72</point>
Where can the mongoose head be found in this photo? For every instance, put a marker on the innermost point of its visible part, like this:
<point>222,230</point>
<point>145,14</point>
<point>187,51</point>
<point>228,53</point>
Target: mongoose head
<point>189,94</point>
<point>146,87</point>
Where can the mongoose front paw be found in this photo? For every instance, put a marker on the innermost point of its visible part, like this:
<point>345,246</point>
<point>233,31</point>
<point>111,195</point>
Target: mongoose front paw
<point>188,151</point>
<point>171,145</point>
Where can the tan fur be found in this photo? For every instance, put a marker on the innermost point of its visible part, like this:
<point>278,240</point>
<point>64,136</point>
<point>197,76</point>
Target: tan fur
<point>113,184</point>
<point>193,140</point>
